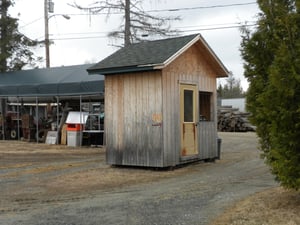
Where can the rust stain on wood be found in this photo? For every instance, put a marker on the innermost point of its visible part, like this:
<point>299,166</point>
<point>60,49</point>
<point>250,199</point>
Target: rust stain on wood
<point>157,117</point>
<point>194,131</point>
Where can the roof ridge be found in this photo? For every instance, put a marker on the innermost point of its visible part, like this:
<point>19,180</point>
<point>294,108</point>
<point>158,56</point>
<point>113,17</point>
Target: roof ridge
<point>165,39</point>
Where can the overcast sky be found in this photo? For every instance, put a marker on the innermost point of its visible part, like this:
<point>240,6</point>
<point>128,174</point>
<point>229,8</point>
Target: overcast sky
<point>82,38</point>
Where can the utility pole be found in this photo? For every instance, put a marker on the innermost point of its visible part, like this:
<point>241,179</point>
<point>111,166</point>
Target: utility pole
<point>49,8</point>
<point>47,42</point>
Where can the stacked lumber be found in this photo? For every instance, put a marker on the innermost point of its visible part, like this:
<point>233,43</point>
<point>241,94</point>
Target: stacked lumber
<point>232,120</point>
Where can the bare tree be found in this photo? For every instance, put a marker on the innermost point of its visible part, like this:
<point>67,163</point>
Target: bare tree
<point>137,22</point>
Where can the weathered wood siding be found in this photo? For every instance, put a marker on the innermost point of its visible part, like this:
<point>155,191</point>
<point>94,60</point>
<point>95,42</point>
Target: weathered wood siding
<point>190,67</point>
<point>207,137</point>
<point>133,114</point>
<point>142,113</point>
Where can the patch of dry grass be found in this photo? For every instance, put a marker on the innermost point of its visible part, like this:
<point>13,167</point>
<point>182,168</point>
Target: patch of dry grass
<point>108,178</point>
<point>275,206</point>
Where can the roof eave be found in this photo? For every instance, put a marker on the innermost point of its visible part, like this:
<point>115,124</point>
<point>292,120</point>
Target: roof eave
<point>223,75</point>
<point>112,71</point>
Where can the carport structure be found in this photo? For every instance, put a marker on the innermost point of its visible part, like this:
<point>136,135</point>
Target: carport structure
<point>51,89</point>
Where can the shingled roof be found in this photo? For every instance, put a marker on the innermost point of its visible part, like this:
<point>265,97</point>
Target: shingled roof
<point>149,55</point>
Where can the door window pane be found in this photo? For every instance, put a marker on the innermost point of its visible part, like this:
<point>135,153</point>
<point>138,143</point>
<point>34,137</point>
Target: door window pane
<point>188,106</point>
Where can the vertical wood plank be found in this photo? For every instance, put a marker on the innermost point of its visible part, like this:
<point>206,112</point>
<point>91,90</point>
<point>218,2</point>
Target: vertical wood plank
<point>132,100</point>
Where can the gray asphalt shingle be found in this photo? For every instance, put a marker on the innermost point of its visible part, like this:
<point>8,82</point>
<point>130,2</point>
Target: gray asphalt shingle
<point>141,56</point>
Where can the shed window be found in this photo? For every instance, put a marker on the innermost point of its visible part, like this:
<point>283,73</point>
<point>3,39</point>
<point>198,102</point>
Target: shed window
<point>205,106</point>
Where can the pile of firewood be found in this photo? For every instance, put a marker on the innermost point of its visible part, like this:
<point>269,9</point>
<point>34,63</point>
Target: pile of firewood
<point>232,120</point>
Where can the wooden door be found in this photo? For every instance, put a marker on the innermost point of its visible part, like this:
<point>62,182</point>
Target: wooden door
<point>188,119</point>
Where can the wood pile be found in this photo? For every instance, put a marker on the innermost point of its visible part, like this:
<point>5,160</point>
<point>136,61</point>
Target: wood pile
<point>232,120</point>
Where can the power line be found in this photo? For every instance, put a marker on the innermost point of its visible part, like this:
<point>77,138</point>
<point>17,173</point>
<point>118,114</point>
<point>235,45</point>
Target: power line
<point>180,31</point>
<point>77,38</point>
<point>219,28</point>
<point>208,26</point>
<point>33,21</point>
<point>156,10</point>
<point>201,7</point>
<point>170,10</point>
<point>203,27</point>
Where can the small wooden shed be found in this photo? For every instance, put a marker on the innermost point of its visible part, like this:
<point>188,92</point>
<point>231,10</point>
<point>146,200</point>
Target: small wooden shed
<point>160,102</point>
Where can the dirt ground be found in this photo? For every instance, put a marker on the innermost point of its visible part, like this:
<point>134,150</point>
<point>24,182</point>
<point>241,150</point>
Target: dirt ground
<point>48,184</point>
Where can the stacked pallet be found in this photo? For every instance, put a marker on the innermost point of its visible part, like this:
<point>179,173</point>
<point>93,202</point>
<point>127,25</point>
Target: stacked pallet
<point>232,120</point>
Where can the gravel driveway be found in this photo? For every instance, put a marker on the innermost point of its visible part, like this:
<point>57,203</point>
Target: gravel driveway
<point>53,185</point>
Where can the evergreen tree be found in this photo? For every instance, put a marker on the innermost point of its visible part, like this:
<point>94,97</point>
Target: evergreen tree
<point>232,88</point>
<point>272,67</point>
<point>136,22</point>
<point>15,48</point>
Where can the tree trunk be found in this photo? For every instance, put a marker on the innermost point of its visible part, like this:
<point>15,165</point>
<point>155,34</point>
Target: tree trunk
<point>47,42</point>
<point>3,113</point>
<point>3,32</point>
<point>3,61</point>
<point>63,119</point>
<point>127,23</point>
